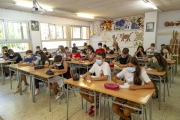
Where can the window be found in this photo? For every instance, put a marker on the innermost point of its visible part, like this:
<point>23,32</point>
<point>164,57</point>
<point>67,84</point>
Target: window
<point>53,31</point>
<point>52,45</point>
<point>78,43</point>
<point>2,30</point>
<point>17,47</point>
<point>62,32</point>
<point>76,32</point>
<point>45,31</point>
<point>85,32</point>
<point>80,32</point>
<point>17,31</point>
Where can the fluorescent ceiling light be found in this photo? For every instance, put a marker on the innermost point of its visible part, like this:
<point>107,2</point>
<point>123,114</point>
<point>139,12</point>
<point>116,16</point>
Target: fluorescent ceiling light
<point>85,15</point>
<point>30,5</point>
<point>150,4</point>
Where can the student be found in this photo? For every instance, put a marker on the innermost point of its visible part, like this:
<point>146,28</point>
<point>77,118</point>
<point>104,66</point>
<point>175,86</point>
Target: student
<point>14,56</point>
<point>162,45</point>
<point>75,55</point>
<point>160,64</point>
<point>151,49</point>
<point>109,51</point>
<point>136,76</point>
<point>68,51</point>
<point>26,62</point>
<point>48,55</point>
<point>85,43</point>
<point>121,60</point>
<point>41,60</point>
<point>84,50</point>
<point>100,48</point>
<point>62,52</point>
<point>37,50</point>
<point>90,54</point>
<point>116,48</point>
<point>166,52</point>
<point>140,52</point>
<point>61,66</point>
<point>5,52</point>
<point>102,71</point>
<point>74,47</point>
<point>105,47</point>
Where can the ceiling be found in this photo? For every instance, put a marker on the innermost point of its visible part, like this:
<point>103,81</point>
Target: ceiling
<point>102,9</point>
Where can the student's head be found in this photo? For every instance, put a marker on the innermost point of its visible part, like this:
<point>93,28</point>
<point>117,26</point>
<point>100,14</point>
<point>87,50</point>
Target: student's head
<point>11,52</point>
<point>62,49</point>
<point>66,48</point>
<point>90,49</point>
<point>162,62</point>
<point>116,47</point>
<point>140,48</point>
<point>108,49</point>
<point>41,56</point>
<point>162,45</point>
<point>85,47</point>
<point>29,53</point>
<point>74,44</point>
<point>44,50</point>
<point>74,52</point>
<point>85,44</point>
<point>153,45</point>
<point>104,46</point>
<point>125,52</point>
<point>37,48</point>
<point>166,48</point>
<point>134,67</point>
<point>99,45</point>
<point>58,60</point>
<point>100,57</point>
<point>5,48</point>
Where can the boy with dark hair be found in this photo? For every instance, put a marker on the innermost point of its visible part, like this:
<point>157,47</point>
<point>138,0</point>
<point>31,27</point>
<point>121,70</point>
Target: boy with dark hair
<point>121,59</point>
<point>74,47</point>
<point>5,52</point>
<point>75,55</point>
<point>37,50</point>
<point>162,45</point>
<point>109,51</point>
<point>14,56</point>
<point>102,71</point>
<point>151,49</point>
<point>100,48</point>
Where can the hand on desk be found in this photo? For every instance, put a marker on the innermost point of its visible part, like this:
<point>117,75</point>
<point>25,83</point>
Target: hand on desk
<point>89,77</point>
<point>84,76</point>
<point>146,67</point>
<point>53,70</point>
<point>133,87</point>
<point>120,82</point>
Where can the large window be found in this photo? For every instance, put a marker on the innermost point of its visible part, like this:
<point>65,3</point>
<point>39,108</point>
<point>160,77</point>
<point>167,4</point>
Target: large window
<point>53,45</point>
<point>80,32</point>
<point>2,30</point>
<point>78,43</point>
<point>17,47</point>
<point>45,31</point>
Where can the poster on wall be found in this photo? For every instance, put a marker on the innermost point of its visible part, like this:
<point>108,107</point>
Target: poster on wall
<point>150,27</point>
<point>34,25</point>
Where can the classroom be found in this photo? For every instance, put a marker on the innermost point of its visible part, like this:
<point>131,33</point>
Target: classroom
<point>89,59</point>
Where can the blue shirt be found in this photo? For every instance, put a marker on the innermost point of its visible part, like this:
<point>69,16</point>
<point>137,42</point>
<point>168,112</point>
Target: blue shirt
<point>30,60</point>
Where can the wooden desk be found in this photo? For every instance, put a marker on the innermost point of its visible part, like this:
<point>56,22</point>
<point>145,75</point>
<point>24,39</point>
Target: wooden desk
<point>110,57</point>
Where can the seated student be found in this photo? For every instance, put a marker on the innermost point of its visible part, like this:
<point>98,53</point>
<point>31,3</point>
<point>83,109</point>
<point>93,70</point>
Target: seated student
<point>68,51</point>
<point>121,60</point>
<point>140,52</point>
<point>162,45</point>
<point>102,71</point>
<point>85,44</point>
<point>90,54</point>
<point>151,49</point>
<point>84,50</point>
<point>74,47</point>
<point>116,48</point>
<point>26,62</point>
<point>160,64</point>
<point>5,52</point>
<point>100,48</point>
<point>62,52</point>
<point>75,55</point>
<point>136,76</point>
<point>61,66</point>
<point>109,51</point>
<point>37,50</point>
<point>48,55</point>
<point>105,47</point>
<point>166,52</point>
<point>41,60</point>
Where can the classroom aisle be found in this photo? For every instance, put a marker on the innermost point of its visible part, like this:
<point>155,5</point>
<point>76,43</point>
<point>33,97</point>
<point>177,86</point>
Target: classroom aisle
<point>16,107</point>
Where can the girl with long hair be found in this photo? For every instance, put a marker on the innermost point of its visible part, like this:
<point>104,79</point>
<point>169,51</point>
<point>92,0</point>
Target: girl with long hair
<point>91,55</point>
<point>62,52</point>
<point>166,52</point>
<point>140,52</point>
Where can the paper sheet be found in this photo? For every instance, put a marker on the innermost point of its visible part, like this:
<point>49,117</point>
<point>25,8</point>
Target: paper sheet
<point>148,69</point>
<point>116,66</point>
<point>125,85</point>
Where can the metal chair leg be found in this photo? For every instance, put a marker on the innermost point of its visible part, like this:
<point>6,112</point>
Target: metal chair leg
<point>86,106</point>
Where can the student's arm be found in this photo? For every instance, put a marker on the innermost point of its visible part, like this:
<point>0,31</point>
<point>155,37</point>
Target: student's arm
<point>86,74</point>
<point>135,54</point>
<point>143,55</point>
<point>147,49</point>
<point>14,59</point>
<point>105,77</point>
<point>158,67</point>
<point>116,80</point>
<point>149,85</point>
<point>169,55</point>
<point>78,58</point>
<point>149,63</point>
<point>62,70</point>
<point>153,51</point>
<point>46,65</point>
<point>48,55</point>
<point>92,70</point>
<point>115,62</point>
<point>85,57</point>
<point>52,66</point>
<point>93,56</point>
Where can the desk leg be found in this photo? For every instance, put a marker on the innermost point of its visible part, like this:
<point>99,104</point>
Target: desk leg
<point>176,63</point>
<point>20,85</point>
<point>67,100</point>
<point>34,88</point>
<point>108,106</point>
<point>171,76</point>
<point>150,109</point>
<point>112,110</point>
<point>173,72</point>
<point>100,106</point>
<point>164,86</point>
<point>142,112</point>
<point>2,73</point>
<point>95,104</point>
<point>49,96</point>
<point>159,93</point>
<point>10,77</point>
<point>32,84</point>
<point>87,68</point>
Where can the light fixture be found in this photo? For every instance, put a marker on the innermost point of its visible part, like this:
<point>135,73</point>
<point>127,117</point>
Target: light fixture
<point>150,4</point>
<point>30,5</point>
<point>85,15</point>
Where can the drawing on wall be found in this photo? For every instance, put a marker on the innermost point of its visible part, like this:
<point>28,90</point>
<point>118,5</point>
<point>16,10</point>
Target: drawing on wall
<point>139,36</point>
<point>34,25</point>
<point>114,40</point>
<point>125,36</point>
<point>150,27</point>
<point>106,36</point>
<point>140,22</point>
<point>106,25</point>
<point>136,44</point>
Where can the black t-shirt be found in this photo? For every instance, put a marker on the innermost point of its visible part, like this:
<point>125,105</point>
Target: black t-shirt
<point>111,52</point>
<point>84,51</point>
<point>75,48</point>
<point>6,54</point>
<point>139,54</point>
<point>121,59</point>
<point>49,56</point>
<point>37,52</point>
<point>65,75</point>
<point>16,55</point>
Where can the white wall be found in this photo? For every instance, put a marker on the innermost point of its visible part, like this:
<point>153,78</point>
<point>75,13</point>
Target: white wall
<point>35,35</point>
<point>150,37</point>
<point>172,16</point>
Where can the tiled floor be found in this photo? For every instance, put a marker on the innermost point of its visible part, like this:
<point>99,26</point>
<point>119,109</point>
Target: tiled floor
<point>21,107</point>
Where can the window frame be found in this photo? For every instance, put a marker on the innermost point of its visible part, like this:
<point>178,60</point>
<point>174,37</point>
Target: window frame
<point>3,30</point>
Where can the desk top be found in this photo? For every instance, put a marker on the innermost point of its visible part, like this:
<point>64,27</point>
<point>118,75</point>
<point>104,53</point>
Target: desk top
<point>111,56</point>
<point>172,61</point>
<point>7,61</point>
<point>77,62</point>
<point>14,66</point>
<point>139,96</point>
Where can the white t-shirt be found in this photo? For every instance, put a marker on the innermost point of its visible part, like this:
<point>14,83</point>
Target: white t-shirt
<point>150,51</point>
<point>37,62</point>
<point>129,77</point>
<point>102,70</point>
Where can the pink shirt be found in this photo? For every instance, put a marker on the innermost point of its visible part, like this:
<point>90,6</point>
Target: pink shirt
<point>90,55</point>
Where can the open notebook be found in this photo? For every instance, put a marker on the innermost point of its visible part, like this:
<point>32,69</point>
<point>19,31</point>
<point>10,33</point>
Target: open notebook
<point>125,85</point>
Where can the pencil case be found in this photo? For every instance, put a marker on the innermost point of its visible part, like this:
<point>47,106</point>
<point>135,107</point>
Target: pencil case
<point>145,57</point>
<point>111,65</point>
<point>38,67</point>
<point>81,61</point>
<point>111,86</point>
